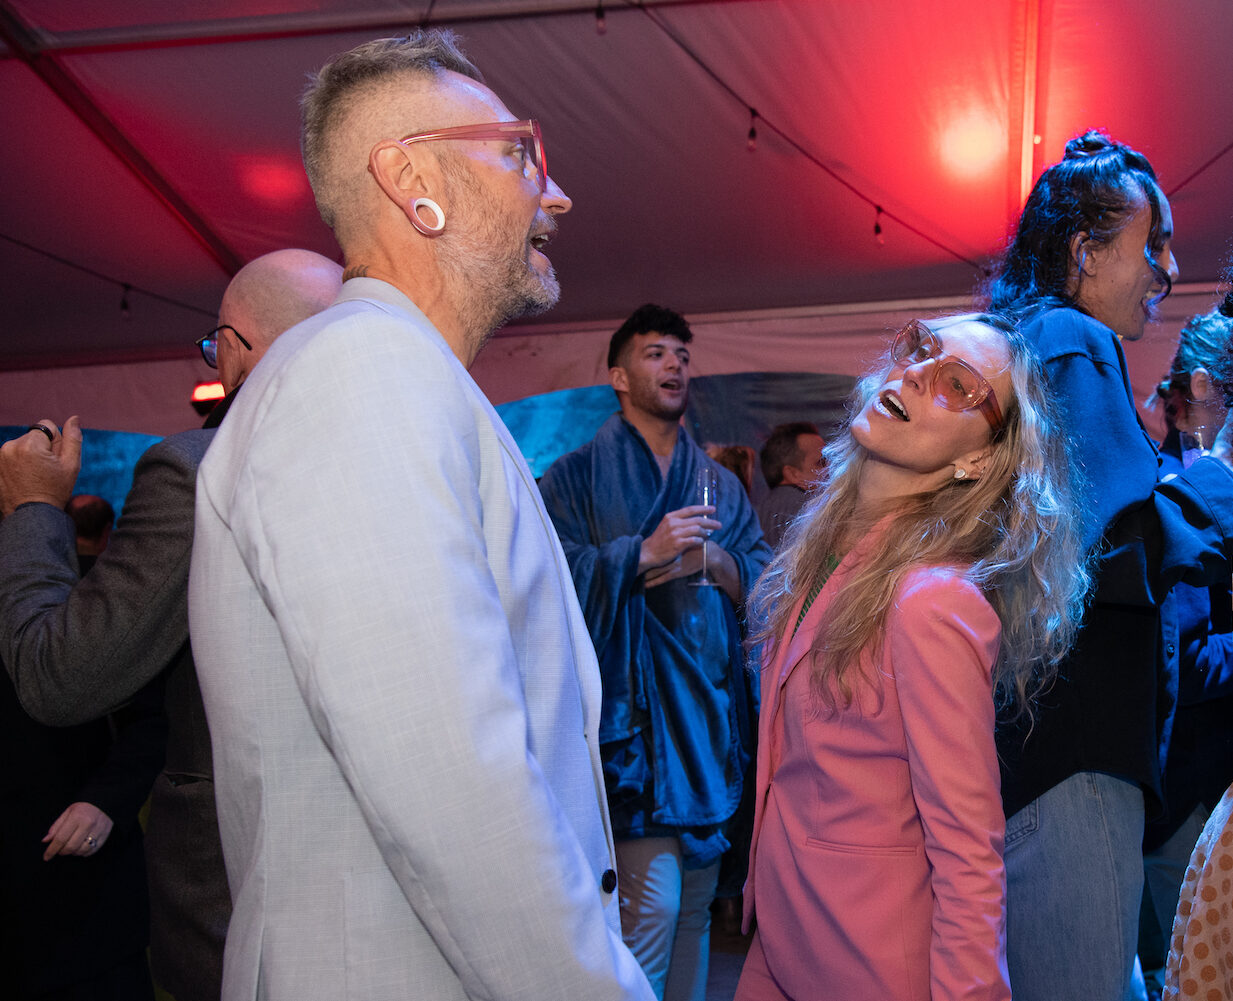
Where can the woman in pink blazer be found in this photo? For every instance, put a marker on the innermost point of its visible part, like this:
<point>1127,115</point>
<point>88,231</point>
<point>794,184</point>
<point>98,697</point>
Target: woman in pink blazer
<point>937,571</point>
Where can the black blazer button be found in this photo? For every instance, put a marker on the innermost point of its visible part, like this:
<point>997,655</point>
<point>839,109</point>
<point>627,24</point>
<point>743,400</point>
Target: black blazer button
<point>608,881</point>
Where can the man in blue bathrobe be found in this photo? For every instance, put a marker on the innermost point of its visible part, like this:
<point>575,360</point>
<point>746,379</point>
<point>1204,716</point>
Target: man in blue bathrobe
<point>676,725</point>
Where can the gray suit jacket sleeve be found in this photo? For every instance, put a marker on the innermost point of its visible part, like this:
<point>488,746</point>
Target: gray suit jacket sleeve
<point>77,648</point>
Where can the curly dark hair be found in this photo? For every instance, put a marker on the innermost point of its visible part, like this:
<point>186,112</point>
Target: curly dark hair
<point>643,320</point>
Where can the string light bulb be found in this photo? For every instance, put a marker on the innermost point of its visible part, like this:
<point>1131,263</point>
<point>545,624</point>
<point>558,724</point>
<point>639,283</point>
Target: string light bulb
<point>601,23</point>
<point>751,142</point>
<point>877,226</point>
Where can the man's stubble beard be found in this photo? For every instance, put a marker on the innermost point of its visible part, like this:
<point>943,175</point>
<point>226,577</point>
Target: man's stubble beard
<point>648,402</point>
<point>491,285</point>
<point>674,413</point>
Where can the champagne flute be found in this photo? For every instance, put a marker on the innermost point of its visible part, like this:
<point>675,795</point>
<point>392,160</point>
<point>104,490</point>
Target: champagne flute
<point>1195,442</point>
<point>707,487</point>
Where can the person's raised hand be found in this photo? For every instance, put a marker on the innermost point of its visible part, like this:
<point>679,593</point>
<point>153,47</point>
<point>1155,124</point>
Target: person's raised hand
<point>41,465</point>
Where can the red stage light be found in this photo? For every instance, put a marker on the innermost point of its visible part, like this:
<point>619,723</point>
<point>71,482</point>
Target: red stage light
<point>273,180</point>
<point>973,145</point>
<point>204,391</point>
<point>206,396</point>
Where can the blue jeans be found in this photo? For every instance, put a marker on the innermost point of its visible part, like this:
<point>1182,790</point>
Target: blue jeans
<point>666,915</point>
<point>1074,880</point>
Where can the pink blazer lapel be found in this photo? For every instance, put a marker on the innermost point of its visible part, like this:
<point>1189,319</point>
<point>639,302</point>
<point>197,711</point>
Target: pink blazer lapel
<point>786,659</point>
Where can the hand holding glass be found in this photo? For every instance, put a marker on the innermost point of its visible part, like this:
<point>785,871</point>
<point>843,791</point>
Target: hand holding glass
<point>707,486</point>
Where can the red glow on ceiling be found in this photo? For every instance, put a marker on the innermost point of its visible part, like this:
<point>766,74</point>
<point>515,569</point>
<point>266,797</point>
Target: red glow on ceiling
<point>973,145</point>
<point>272,180</point>
<point>204,391</point>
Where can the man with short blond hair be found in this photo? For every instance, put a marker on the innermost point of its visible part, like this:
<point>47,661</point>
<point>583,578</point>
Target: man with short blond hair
<point>404,700</point>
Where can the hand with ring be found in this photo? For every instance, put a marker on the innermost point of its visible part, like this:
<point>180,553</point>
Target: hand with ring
<point>41,465</point>
<point>80,830</point>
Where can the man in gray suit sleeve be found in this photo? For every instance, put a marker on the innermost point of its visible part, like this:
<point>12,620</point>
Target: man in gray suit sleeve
<point>402,690</point>
<point>78,648</point>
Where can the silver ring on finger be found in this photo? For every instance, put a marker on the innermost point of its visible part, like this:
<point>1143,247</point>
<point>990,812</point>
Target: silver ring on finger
<point>91,842</point>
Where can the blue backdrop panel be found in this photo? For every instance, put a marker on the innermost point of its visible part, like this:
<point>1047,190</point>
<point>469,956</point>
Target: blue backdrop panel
<point>550,424</point>
<point>737,409</point>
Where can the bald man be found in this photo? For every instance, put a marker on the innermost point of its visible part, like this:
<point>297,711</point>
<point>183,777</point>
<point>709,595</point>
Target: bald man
<point>76,649</point>
<point>262,301</point>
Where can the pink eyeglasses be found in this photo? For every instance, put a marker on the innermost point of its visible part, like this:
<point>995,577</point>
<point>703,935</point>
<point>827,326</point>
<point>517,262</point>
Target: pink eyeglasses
<point>955,384</point>
<point>526,133</point>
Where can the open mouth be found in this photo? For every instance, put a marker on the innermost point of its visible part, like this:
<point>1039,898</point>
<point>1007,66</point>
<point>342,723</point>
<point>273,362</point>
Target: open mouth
<point>539,241</point>
<point>889,405</point>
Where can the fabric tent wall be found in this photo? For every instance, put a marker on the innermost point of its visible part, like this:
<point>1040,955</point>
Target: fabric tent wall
<point>126,120</point>
<point>860,106</point>
<point>152,397</point>
<point>145,397</point>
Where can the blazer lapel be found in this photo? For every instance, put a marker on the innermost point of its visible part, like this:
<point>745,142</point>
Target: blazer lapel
<point>784,662</point>
<point>782,665</point>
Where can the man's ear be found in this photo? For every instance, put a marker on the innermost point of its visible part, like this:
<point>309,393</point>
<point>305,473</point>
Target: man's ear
<point>619,379</point>
<point>405,173</point>
<point>225,335</point>
<point>794,476</point>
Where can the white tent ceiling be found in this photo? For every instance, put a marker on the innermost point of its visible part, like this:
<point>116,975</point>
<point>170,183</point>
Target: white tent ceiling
<point>155,145</point>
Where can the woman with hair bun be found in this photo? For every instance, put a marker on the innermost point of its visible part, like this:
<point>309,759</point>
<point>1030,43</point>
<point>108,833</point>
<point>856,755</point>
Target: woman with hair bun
<point>1088,263</point>
<point>935,573</point>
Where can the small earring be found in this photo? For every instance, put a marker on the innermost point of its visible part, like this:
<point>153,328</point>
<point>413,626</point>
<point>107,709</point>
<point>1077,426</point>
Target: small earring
<point>419,223</point>
<point>960,473</point>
